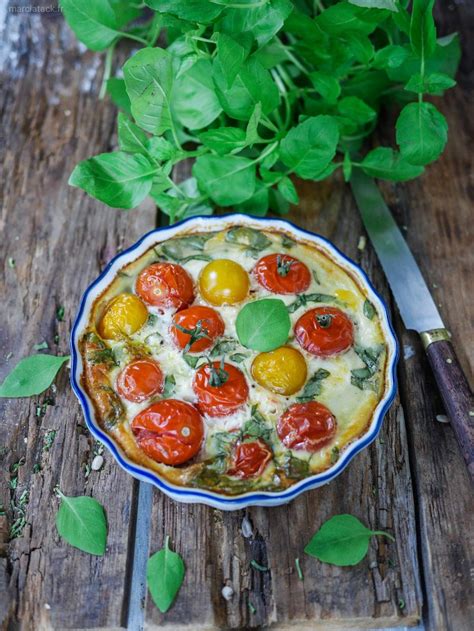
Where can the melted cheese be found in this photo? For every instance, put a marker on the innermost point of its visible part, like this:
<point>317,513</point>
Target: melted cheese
<point>352,407</point>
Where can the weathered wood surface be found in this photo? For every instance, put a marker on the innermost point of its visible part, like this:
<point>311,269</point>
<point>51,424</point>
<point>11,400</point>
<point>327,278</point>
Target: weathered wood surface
<point>60,239</point>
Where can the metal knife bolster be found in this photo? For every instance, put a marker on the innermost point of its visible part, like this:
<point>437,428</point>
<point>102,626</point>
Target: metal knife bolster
<point>435,335</point>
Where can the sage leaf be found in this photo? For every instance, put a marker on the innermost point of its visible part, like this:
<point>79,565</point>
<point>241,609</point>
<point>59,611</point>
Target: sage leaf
<point>81,521</point>
<point>422,133</point>
<point>194,101</point>
<point>118,179</point>
<point>309,147</point>
<point>342,540</point>
<point>149,81</point>
<point>164,576</point>
<point>227,180</point>
<point>388,164</point>
<point>32,375</point>
<point>263,325</point>
<point>94,23</point>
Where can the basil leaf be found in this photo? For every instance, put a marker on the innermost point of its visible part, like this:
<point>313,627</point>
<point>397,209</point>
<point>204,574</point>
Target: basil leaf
<point>231,55</point>
<point>131,138</point>
<point>194,103</point>
<point>252,85</point>
<point>238,358</point>
<point>248,237</point>
<point>288,190</point>
<point>223,347</point>
<point>303,299</point>
<point>160,149</point>
<point>295,468</point>
<point>227,180</point>
<point>422,133</point>
<point>149,80</point>
<point>342,540</point>
<point>263,325</point>
<point>118,179</point>
<point>256,205</point>
<point>310,146</point>
<point>434,83</point>
<point>386,163</point>
<point>118,93</point>
<point>422,28</point>
<point>32,375</point>
<point>369,309</point>
<point>164,576</point>
<point>390,5</point>
<point>313,387</point>
<point>201,11</point>
<point>355,109</point>
<point>262,21</point>
<point>170,382</point>
<point>94,23</point>
<point>391,56</point>
<point>223,140</point>
<point>82,523</point>
<point>326,85</point>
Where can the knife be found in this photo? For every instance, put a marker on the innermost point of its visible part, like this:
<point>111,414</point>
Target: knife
<point>418,310</point>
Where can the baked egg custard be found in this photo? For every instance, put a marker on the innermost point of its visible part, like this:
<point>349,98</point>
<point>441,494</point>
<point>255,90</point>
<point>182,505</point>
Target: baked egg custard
<point>234,361</point>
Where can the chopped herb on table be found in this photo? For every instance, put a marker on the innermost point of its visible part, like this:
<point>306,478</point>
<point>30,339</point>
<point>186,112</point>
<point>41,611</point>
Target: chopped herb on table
<point>256,93</point>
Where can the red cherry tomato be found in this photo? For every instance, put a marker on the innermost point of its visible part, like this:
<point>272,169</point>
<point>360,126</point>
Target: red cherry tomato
<point>169,431</point>
<point>226,396</point>
<point>165,285</point>
<point>140,380</point>
<point>250,459</point>
<point>307,426</point>
<point>324,331</point>
<point>282,274</point>
<point>211,324</point>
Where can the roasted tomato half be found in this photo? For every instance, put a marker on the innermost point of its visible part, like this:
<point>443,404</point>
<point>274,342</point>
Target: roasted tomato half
<point>169,431</point>
<point>224,282</point>
<point>324,331</point>
<point>196,328</point>
<point>282,274</point>
<point>220,388</point>
<point>282,371</point>
<point>307,426</point>
<point>123,316</point>
<point>250,459</point>
<point>165,285</point>
<point>140,380</point>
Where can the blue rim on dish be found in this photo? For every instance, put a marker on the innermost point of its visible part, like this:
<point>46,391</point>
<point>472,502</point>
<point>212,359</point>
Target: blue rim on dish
<point>259,498</point>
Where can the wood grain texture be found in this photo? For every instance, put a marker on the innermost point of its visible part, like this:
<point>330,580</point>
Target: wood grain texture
<point>59,240</point>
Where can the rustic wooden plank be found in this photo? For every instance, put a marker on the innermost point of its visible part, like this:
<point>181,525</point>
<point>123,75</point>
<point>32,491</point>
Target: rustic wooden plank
<point>384,590</point>
<point>59,240</point>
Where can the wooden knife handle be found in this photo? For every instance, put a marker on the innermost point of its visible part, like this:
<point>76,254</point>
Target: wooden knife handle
<point>457,396</point>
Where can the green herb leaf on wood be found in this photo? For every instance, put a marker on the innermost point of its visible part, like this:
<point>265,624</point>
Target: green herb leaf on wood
<point>32,375</point>
<point>342,540</point>
<point>422,133</point>
<point>81,521</point>
<point>164,576</point>
<point>263,325</point>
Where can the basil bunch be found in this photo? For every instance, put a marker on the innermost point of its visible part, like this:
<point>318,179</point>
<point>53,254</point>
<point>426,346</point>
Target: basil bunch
<point>259,90</point>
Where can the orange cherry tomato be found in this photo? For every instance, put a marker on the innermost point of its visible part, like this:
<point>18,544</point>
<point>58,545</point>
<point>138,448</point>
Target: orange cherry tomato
<point>220,390</point>
<point>165,285</point>
<point>324,331</point>
<point>140,380</point>
<point>250,459</point>
<point>307,426</point>
<point>282,274</point>
<point>169,431</point>
<point>205,323</point>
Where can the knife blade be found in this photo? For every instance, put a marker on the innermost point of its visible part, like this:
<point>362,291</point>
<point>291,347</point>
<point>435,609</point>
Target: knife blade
<point>417,309</point>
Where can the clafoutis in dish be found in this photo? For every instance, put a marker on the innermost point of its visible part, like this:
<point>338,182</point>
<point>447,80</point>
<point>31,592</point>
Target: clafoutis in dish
<point>235,361</point>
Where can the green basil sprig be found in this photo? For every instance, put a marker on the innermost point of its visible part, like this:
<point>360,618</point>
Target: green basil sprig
<point>164,576</point>
<point>32,375</point>
<point>342,540</point>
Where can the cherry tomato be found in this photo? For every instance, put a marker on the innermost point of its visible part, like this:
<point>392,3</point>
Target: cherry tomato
<point>165,285</point>
<point>307,426</point>
<point>250,459</point>
<point>223,282</point>
<point>169,431</point>
<point>220,390</point>
<point>140,380</point>
<point>282,371</point>
<point>124,315</point>
<point>206,324</point>
<point>324,331</point>
<point>282,274</point>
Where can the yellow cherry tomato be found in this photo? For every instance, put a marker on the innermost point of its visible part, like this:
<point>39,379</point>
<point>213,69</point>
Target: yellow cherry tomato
<point>282,371</point>
<point>124,315</point>
<point>224,282</point>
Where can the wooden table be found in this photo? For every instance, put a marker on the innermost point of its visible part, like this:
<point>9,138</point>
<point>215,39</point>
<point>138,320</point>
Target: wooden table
<point>411,481</point>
